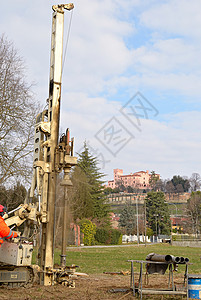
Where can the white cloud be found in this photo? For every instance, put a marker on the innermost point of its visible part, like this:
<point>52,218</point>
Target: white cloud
<point>174,17</point>
<point>97,57</point>
<point>169,147</point>
<point>166,56</point>
<point>97,50</point>
<point>86,115</point>
<point>99,64</point>
<point>186,84</point>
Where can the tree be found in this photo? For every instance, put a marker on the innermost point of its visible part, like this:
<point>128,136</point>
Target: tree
<point>89,230</point>
<point>120,186</point>
<point>153,180</point>
<point>149,232</point>
<point>13,196</point>
<point>89,198</point>
<point>195,182</point>
<point>82,205</point>
<point>127,220</point>
<point>179,188</point>
<point>108,190</point>
<point>194,210</point>
<point>177,180</point>
<point>157,213</point>
<point>130,189</point>
<point>170,188</point>
<point>17,114</point>
<point>108,236</point>
<point>116,190</point>
<point>160,185</point>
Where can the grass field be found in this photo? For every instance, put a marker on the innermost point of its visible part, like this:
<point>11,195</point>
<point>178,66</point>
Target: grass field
<point>114,259</point>
<point>97,286</point>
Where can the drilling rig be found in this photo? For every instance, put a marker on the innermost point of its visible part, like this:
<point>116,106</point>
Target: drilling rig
<point>51,156</point>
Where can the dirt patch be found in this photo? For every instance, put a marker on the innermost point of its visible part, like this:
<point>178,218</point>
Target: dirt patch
<point>97,287</point>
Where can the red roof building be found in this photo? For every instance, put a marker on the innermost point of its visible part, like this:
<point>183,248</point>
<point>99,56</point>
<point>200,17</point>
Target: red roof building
<point>136,180</point>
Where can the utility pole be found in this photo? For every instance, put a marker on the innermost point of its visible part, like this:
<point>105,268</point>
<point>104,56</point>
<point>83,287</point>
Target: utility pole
<point>156,215</point>
<point>137,221</point>
<point>145,223</point>
<point>171,232</point>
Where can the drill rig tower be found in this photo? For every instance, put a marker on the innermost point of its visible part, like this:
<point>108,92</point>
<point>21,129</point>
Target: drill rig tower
<point>50,155</point>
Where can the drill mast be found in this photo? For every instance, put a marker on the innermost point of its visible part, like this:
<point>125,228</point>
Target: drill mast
<point>51,156</point>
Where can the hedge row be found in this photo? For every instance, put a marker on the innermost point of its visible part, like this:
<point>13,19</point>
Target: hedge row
<point>108,236</point>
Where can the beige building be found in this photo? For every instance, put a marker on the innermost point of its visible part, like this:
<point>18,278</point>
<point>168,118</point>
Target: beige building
<point>138,180</point>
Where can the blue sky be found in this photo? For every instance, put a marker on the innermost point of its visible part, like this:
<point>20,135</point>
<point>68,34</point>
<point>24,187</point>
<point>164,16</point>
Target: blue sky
<point>117,49</point>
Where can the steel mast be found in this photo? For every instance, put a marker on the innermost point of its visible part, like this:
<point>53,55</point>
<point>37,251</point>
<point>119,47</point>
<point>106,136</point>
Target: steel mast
<point>51,156</point>
<point>47,244</point>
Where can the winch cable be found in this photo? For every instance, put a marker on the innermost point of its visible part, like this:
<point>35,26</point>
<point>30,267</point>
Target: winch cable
<point>67,40</point>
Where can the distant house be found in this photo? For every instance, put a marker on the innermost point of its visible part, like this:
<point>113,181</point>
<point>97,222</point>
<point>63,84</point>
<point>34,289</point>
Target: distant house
<point>178,222</point>
<point>138,180</point>
<point>114,220</point>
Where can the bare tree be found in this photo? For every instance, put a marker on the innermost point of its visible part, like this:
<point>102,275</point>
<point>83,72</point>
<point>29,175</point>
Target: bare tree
<point>13,196</point>
<point>194,211</point>
<point>17,114</point>
<point>195,182</point>
<point>179,188</point>
<point>160,185</point>
<point>170,187</point>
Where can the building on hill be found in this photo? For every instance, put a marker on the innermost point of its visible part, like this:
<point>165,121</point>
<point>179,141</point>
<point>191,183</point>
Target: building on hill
<point>114,219</point>
<point>138,180</point>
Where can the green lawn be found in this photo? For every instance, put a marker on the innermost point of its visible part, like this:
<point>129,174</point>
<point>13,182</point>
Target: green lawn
<point>114,259</point>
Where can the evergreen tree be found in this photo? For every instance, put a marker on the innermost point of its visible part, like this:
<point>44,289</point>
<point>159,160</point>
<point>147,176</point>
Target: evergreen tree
<point>157,213</point>
<point>82,202</point>
<point>153,180</point>
<point>108,190</point>
<point>89,198</point>
<point>179,181</point>
<point>127,219</point>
